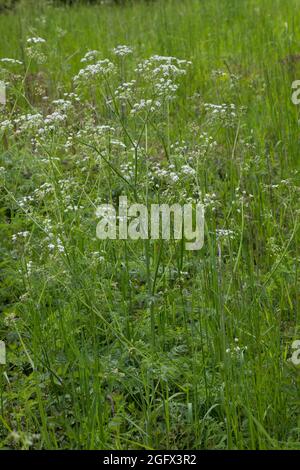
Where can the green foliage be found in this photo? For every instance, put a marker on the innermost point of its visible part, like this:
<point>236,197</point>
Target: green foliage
<point>141,344</point>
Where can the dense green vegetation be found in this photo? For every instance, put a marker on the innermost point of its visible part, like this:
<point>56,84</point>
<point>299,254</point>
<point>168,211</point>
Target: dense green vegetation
<point>141,344</point>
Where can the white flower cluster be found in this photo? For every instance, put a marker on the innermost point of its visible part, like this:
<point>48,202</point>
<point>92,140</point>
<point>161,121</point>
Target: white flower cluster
<point>125,90</point>
<point>188,170</point>
<point>34,51</point>
<point>162,72</point>
<point>102,68</point>
<point>45,188</point>
<point>6,125</point>
<point>104,129</point>
<point>235,351</point>
<point>26,439</point>
<point>90,56</point>
<point>73,208</point>
<point>207,141</point>
<point>100,135</point>
<point>28,122</point>
<point>210,200</point>
<point>226,113</point>
<point>162,66</point>
<point>219,74</point>
<point>37,122</point>
<point>53,242</point>
<point>7,60</point>
<point>97,256</point>
<point>36,40</point>
<point>179,147</point>
<point>156,76</point>
<point>224,233</point>
<point>52,121</point>
<point>20,235</point>
<point>62,104</point>
<point>127,170</point>
<point>118,143</point>
<point>168,175</point>
<point>72,97</point>
<point>25,201</point>
<point>150,106</point>
<point>164,173</point>
<point>122,51</point>
<point>220,108</point>
<point>29,265</point>
<point>166,88</point>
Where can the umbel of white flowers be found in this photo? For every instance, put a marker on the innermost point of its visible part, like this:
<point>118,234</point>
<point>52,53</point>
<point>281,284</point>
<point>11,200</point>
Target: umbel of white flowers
<point>136,222</point>
<point>2,353</point>
<point>2,93</point>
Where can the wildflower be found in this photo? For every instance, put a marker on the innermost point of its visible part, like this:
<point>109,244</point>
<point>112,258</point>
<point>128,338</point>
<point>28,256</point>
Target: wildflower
<point>226,113</point>
<point>122,51</point>
<point>145,105</point>
<point>36,40</point>
<point>174,177</point>
<point>162,66</point>
<point>90,56</point>
<point>102,68</point>
<point>55,117</point>
<point>223,233</point>
<point>29,267</point>
<point>6,125</point>
<point>62,104</point>
<point>187,170</point>
<point>7,60</point>
<point>20,234</point>
<point>15,436</point>
<point>166,88</point>
<point>125,90</point>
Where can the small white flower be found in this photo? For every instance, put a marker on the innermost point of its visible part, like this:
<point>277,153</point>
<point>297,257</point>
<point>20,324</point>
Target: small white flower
<point>101,68</point>
<point>7,60</point>
<point>90,55</point>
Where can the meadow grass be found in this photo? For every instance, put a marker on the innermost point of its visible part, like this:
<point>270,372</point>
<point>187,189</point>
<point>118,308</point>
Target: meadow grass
<point>141,344</point>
